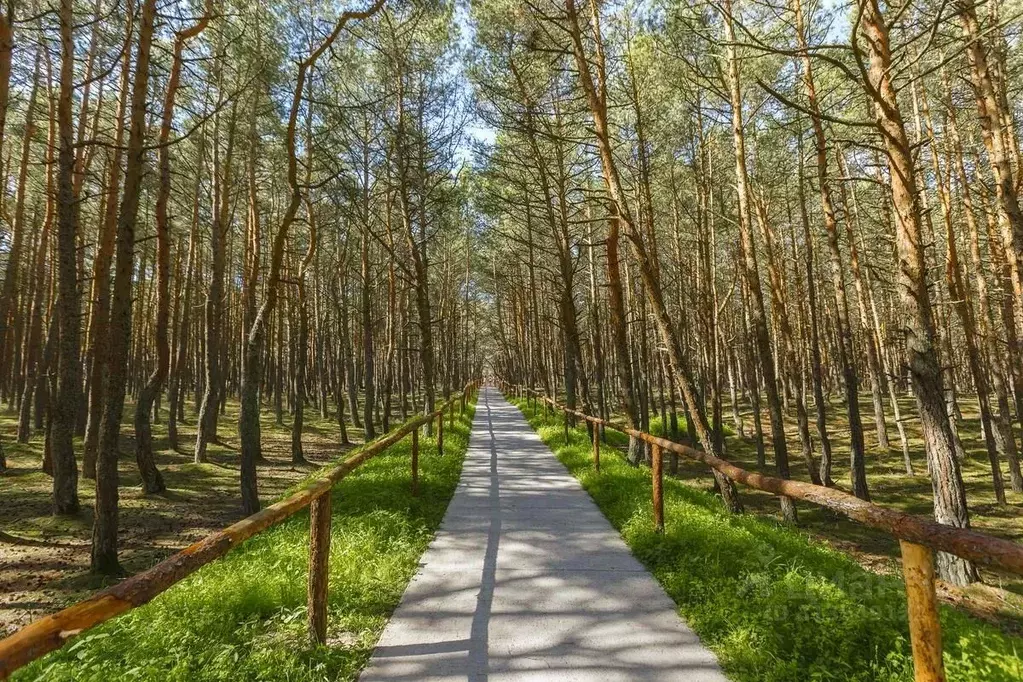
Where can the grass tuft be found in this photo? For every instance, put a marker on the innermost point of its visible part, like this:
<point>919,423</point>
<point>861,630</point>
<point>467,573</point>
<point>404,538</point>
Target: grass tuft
<point>774,604</point>
<point>244,617</point>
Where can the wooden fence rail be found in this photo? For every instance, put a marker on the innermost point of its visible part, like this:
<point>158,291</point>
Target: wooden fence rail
<point>53,631</point>
<point>918,537</point>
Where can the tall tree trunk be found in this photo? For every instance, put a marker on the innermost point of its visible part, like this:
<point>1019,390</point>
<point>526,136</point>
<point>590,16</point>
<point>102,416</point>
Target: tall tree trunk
<point>9,291</point>
<point>34,358</point>
<point>750,269</point>
<point>152,480</point>
<point>925,371</point>
<point>998,145</point>
<point>175,388</point>
<point>104,533</point>
<point>597,101</point>
<point>816,374</point>
<point>964,310</point>
<point>302,345</point>
<point>1006,441</point>
<point>99,316</point>
<point>65,407</point>
<point>369,371</point>
<point>206,425</point>
<point>863,298</point>
<point>788,342</point>
<point>846,354</point>
<point>251,378</point>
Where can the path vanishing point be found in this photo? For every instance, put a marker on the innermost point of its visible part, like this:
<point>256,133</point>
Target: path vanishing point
<point>526,580</point>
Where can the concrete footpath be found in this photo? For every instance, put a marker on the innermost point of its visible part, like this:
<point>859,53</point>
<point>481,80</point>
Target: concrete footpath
<point>526,580</point>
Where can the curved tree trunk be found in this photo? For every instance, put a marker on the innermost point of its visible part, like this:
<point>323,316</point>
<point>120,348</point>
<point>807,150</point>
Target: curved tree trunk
<point>248,420</point>
<point>152,480</point>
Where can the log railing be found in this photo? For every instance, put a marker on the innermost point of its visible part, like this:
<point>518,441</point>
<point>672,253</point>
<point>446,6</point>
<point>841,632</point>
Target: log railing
<point>53,631</point>
<point>918,537</point>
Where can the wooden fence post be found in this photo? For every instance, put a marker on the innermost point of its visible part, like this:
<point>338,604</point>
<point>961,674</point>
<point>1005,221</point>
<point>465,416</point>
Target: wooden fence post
<point>319,554</point>
<point>415,462</point>
<point>440,433</point>
<point>657,471</point>
<point>451,414</point>
<point>922,604</point>
<point>596,448</point>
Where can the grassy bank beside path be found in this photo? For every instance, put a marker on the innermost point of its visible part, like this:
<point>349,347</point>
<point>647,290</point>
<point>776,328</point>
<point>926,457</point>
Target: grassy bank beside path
<point>774,604</point>
<point>244,617</point>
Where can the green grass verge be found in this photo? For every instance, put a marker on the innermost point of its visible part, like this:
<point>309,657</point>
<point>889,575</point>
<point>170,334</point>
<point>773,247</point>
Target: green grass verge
<point>244,617</point>
<point>772,603</point>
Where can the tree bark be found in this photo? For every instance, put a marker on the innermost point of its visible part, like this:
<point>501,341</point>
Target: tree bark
<point>925,372</point>
<point>750,270</point>
<point>65,406</point>
<point>99,316</point>
<point>248,419</point>
<point>206,424</point>
<point>152,480</point>
<point>845,346</point>
<point>104,534</point>
<point>598,108</point>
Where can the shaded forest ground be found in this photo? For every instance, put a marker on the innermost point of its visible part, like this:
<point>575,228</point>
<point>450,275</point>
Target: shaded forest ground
<point>44,560</point>
<point>999,600</point>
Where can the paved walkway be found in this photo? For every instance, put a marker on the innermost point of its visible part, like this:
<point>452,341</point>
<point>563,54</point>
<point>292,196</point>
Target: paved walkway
<point>526,580</point>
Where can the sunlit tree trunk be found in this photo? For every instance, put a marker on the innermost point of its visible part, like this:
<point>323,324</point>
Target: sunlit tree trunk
<point>925,371</point>
<point>152,480</point>
<point>846,354</point>
<point>750,268</point>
